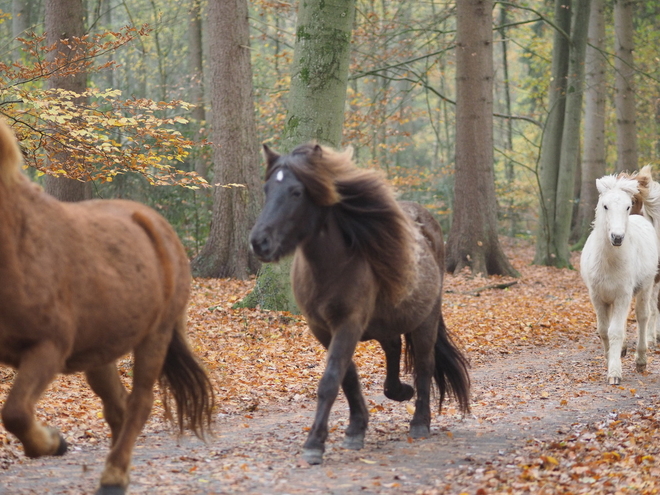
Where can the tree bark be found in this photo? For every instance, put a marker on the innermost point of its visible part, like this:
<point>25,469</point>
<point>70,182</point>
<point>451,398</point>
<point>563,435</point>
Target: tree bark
<point>593,158</point>
<point>552,135</point>
<point>196,69</point>
<point>64,20</point>
<point>624,96</point>
<point>315,111</point>
<point>473,237</point>
<point>570,145</point>
<point>235,146</point>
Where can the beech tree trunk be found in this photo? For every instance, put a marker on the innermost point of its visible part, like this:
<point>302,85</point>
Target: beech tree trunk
<point>235,147</point>
<point>624,96</point>
<point>593,157</point>
<point>64,20</point>
<point>473,237</point>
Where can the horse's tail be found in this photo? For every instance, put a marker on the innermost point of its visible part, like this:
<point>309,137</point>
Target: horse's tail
<point>451,367</point>
<point>10,154</point>
<point>184,377</point>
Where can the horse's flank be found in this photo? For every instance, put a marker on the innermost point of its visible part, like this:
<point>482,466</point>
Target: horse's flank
<point>365,210</point>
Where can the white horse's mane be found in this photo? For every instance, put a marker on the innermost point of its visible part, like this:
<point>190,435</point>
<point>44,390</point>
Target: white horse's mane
<point>611,182</point>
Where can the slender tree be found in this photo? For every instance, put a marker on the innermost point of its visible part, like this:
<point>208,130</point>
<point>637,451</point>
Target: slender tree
<point>593,156</point>
<point>315,110</point>
<point>624,96</point>
<point>64,22</point>
<point>473,238</point>
<point>235,146</point>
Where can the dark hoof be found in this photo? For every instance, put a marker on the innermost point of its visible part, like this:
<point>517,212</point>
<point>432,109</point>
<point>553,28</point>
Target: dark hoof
<point>110,490</point>
<point>624,351</point>
<point>353,442</point>
<point>420,431</point>
<point>313,456</point>
<point>61,450</point>
<point>403,393</point>
<point>614,380</point>
<point>641,368</point>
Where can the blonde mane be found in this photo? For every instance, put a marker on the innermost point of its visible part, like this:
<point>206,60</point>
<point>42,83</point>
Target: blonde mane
<point>11,158</point>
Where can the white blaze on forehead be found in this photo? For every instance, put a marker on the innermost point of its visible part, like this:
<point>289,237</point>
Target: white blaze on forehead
<point>280,176</point>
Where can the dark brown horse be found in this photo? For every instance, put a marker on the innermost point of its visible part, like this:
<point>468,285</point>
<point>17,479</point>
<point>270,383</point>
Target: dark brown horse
<point>81,285</point>
<point>365,267</point>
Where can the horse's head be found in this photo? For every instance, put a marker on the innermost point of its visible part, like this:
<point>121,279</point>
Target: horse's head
<point>289,214</point>
<point>614,205</point>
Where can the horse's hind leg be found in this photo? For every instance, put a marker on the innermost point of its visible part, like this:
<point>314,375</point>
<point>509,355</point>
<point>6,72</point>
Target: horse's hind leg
<point>105,383</point>
<point>422,341</point>
<point>149,357</point>
<point>38,367</point>
<point>643,314</point>
<point>394,389</point>
<point>359,414</point>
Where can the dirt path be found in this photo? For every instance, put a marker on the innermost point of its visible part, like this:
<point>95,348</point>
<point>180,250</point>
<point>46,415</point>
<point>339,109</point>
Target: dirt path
<point>518,400</point>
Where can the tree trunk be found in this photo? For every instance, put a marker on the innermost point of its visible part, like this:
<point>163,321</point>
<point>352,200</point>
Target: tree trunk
<point>319,79</point>
<point>570,145</point>
<point>593,158</point>
<point>473,237</point>
<point>319,75</point>
<point>552,135</point>
<point>64,20</point>
<point>20,22</point>
<point>196,69</point>
<point>235,146</point>
<point>624,96</point>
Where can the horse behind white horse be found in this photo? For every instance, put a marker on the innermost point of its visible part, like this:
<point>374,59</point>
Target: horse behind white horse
<point>619,261</point>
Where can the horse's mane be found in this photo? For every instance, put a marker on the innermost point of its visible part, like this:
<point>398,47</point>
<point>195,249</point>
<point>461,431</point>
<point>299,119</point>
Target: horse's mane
<point>622,182</point>
<point>644,180</point>
<point>366,211</point>
<point>10,155</point>
<point>652,197</point>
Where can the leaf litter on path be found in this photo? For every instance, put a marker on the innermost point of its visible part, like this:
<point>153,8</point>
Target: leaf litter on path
<point>543,420</point>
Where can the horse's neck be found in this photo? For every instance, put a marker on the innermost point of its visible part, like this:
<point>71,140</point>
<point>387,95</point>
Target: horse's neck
<point>325,250</point>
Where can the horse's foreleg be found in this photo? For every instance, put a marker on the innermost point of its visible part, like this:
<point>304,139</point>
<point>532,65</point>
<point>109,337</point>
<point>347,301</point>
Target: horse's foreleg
<point>602,323</point>
<point>643,313</point>
<point>394,389</point>
<point>340,354</point>
<point>616,334</point>
<point>149,357</point>
<point>359,414</point>
<point>105,383</point>
<point>38,367</point>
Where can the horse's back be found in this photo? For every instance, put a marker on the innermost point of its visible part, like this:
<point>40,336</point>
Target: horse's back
<point>95,277</point>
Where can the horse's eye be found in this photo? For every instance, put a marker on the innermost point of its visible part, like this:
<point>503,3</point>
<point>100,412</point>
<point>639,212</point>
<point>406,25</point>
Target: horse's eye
<point>628,209</point>
<point>296,193</point>
<point>605,206</point>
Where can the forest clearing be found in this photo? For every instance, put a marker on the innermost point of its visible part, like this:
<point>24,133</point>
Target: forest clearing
<point>543,418</point>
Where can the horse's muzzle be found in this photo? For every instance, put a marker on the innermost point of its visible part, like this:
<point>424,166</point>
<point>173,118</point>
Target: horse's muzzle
<point>616,239</point>
<point>262,247</point>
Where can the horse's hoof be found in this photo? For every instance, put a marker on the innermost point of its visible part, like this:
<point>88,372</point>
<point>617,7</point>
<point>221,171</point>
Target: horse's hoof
<point>405,392</point>
<point>353,442</point>
<point>614,380</point>
<point>313,456</point>
<point>420,431</point>
<point>624,351</point>
<point>63,447</point>
<point>641,368</point>
<point>110,490</point>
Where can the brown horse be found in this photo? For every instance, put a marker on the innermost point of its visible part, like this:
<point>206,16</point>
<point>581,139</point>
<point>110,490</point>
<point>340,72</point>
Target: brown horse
<point>83,284</point>
<point>365,267</point>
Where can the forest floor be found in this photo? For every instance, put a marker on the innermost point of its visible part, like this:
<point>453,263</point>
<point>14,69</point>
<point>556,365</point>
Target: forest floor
<point>543,419</point>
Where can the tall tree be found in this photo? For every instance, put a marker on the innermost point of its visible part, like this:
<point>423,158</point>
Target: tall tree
<point>235,146</point>
<point>593,155</point>
<point>473,237</point>
<point>624,96</point>
<point>315,110</point>
<point>64,23</point>
<point>196,69</point>
<point>560,144</point>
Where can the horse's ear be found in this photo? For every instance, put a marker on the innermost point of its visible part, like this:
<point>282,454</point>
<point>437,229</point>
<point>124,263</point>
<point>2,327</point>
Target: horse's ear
<point>270,155</point>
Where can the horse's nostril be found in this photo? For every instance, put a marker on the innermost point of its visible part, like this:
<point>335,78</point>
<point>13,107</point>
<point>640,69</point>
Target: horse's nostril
<point>260,245</point>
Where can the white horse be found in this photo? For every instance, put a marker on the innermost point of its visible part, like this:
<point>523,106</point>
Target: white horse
<point>619,261</point>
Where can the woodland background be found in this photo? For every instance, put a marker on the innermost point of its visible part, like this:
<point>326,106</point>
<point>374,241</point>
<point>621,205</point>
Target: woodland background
<point>150,88</point>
